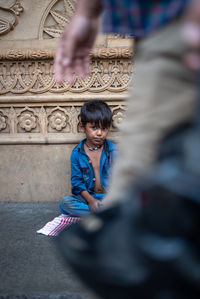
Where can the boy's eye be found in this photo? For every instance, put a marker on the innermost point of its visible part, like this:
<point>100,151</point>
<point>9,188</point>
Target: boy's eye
<point>95,128</point>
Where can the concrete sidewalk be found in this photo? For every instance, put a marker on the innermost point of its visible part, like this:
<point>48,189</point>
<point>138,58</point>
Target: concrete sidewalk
<point>30,266</point>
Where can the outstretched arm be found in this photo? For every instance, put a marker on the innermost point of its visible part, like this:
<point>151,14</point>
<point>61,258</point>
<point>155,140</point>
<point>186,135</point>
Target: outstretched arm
<point>72,55</point>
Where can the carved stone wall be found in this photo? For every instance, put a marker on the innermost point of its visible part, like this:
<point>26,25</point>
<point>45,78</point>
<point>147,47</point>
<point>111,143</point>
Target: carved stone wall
<point>9,15</point>
<point>38,118</point>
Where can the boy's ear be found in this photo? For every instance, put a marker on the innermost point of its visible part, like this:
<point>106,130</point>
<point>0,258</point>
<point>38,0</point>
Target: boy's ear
<point>82,127</point>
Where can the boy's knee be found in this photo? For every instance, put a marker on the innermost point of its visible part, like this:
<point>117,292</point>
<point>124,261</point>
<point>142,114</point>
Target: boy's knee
<point>63,206</point>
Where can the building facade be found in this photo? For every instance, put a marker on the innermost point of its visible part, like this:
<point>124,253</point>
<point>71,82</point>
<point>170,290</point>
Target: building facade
<point>38,118</point>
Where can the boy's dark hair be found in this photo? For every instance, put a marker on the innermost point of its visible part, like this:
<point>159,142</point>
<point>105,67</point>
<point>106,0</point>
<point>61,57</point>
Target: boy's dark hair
<point>96,111</point>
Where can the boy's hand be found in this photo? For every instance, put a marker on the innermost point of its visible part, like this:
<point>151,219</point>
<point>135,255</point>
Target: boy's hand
<point>94,205</point>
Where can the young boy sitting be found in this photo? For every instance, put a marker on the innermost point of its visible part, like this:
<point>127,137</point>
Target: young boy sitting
<point>91,161</point>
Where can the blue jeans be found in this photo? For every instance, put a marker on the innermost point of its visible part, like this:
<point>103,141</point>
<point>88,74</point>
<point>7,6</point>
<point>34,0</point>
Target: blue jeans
<point>76,205</point>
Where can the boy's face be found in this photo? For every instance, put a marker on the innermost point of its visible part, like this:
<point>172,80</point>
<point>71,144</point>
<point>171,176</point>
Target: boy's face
<point>95,134</point>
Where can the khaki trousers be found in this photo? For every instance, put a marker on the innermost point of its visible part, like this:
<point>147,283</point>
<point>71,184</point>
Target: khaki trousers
<point>162,95</point>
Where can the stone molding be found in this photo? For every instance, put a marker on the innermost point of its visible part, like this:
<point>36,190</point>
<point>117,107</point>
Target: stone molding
<point>59,98</point>
<point>36,77</point>
<point>30,54</point>
<point>48,124</point>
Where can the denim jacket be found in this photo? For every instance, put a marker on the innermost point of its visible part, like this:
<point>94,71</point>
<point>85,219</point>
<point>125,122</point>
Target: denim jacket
<point>82,173</point>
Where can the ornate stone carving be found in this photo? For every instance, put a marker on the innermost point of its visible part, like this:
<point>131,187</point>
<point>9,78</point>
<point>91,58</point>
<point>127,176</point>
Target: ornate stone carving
<point>12,120</point>
<point>9,16</point>
<point>27,54</point>
<point>112,53</point>
<point>34,108</point>
<point>74,119</point>
<point>37,77</point>
<point>56,16</point>
<point>43,120</point>
<point>24,54</point>
<point>118,116</point>
<point>3,123</point>
<point>27,120</point>
<point>46,121</point>
<point>117,119</point>
<point>58,119</point>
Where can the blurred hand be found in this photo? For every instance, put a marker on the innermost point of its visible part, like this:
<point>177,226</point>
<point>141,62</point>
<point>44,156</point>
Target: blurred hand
<point>106,203</point>
<point>72,55</point>
<point>191,34</point>
<point>94,205</point>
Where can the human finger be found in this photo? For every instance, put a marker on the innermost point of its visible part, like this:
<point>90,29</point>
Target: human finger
<point>86,66</point>
<point>78,67</point>
<point>58,66</point>
<point>69,60</point>
<point>69,74</point>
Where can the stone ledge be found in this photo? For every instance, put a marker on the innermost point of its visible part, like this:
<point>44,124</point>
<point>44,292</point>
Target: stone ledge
<point>27,139</point>
<point>56,98</point>
<point>35,54</point>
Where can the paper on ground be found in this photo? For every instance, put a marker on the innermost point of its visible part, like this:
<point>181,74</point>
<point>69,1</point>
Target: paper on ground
<point>54,227</point>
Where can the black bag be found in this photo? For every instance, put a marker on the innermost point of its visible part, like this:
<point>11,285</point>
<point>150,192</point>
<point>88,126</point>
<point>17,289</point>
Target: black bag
<point>149,245</point>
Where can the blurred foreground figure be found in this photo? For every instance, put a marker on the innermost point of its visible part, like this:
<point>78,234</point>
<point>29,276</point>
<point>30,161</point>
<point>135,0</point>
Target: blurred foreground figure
<point>162,93</point>
<point>146,246</point>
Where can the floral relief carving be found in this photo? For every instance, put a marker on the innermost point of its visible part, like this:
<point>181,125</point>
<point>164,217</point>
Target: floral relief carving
<point>2,122</point>
<point>58,119</point>
<point>117,119</point>
<point>27,119</point>
<point>118,116</point>
<point>27,122</point>
<point>10,15</point>
<point>44,120</point>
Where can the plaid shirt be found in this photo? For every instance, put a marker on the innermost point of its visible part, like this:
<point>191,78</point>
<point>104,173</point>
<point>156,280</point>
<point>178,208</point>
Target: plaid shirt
<point>139,17</point>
